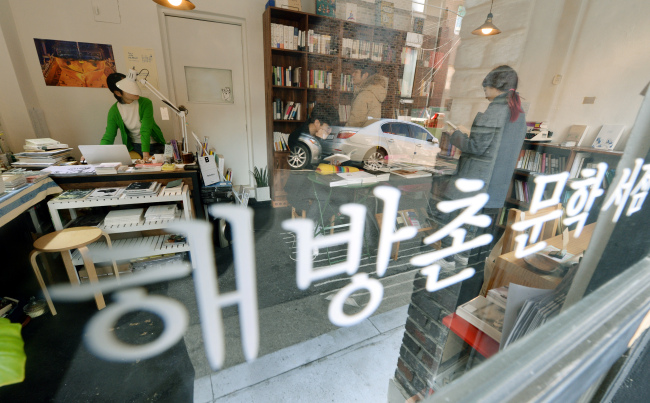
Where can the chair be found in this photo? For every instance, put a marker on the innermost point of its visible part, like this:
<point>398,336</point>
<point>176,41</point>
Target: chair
<point>64,241</point>
<point>134,155</point>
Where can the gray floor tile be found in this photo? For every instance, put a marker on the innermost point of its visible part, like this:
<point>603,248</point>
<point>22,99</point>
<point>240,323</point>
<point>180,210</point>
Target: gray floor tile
<point>203,390</point>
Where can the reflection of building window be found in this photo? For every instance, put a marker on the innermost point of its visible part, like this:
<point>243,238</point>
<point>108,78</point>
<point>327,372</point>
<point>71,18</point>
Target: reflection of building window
<point>418,6</point>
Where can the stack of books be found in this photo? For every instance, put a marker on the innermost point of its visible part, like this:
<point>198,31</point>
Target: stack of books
<point>161,212</point>
<point>149,167</point>
<point>40,159</point>
<point>485,314</point>
<point>13,181</point>
<point>137,189</point>
<point>37,177</point>
<point>106,193</point>
<point>107,168</point>
<point>173,188</point>
<point>128,216</point>
<point>44,144</point>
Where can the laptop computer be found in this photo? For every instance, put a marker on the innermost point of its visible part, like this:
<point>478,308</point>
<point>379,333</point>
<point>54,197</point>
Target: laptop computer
<point>95,154</point>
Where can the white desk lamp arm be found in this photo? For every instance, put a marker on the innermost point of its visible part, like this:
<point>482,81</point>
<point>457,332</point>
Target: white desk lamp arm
<point>181,113</point>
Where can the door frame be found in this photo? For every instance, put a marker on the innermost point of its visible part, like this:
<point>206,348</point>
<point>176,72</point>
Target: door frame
<point>169,76</point>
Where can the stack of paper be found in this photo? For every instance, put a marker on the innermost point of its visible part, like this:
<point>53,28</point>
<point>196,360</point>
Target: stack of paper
<point>161,212</point>
<point>43,144</point>
<point>106,193</point>
<point>13,181</point>
<point>129,216</point>
<point>40,159</point>
<point>142,189</point>
<point>107,168</point>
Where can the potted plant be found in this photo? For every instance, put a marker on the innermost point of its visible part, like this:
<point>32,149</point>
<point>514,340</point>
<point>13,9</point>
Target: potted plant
<point>262,189</point>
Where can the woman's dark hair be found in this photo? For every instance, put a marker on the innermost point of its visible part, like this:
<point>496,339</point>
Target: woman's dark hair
<point>504,78</point>
<point>111,82</point>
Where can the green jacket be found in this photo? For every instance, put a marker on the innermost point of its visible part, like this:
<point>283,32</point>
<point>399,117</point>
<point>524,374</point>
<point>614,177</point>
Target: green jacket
<point>148,128</point>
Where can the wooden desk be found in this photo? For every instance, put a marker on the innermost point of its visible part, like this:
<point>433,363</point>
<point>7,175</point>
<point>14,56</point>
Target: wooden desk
<point>509,269</point>
<point>190,178</point>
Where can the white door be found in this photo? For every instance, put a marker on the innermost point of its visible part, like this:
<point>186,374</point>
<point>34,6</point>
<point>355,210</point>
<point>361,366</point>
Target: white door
<point>206,54</point>
<point>426,150</point>
<point>400,146</point>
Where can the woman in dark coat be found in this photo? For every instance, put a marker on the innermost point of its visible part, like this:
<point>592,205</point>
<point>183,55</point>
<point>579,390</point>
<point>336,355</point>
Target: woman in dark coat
<point>489,152</point>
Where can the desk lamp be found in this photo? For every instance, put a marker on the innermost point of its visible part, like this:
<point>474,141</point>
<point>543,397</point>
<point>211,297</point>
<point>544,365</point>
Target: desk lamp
<point>130,85</point>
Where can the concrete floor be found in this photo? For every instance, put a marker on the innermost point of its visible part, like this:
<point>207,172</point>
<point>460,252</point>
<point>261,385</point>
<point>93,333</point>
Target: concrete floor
<point>345,365</point>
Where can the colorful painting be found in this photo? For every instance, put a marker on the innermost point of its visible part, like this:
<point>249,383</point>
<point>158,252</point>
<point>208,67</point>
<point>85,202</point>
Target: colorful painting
<point>326,7</point>
<point>75,64</point>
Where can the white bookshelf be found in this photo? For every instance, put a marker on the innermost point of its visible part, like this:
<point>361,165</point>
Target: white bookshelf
<point>128,248</point>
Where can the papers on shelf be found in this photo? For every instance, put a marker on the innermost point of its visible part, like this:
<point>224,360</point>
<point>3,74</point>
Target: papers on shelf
<point>70,170</point>
<point>128,216</point>
<point>106,193</point>
<point>162,212</point>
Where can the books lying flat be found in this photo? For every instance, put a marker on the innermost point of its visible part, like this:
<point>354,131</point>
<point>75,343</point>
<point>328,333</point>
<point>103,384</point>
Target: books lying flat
<point>485,315</point>
<point>499,296</point>
<point>107,168</point>
<point>128,216</point>
<point>74,194</point>
<point>106,193</point>
<point>154,167</point>
<point>174,187</point>
<point>142,189</point>
<point>43,144</point>
<point>162,212</point>
<point>410,173</point>
<point>353,178</point>
<point>13,182</point>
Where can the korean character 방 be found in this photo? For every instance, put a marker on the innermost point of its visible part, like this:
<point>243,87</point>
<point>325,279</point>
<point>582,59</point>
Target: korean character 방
<point>537,203</point>
<point>621,193</point>
<point>469,216</point>
<point>640,191</point>
<point>586,192</point>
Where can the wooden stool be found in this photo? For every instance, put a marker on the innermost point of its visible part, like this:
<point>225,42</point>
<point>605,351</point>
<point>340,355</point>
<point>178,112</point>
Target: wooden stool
<point>64,241</point>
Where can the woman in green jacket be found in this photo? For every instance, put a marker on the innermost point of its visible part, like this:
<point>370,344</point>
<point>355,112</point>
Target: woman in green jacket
<point>133,115</point>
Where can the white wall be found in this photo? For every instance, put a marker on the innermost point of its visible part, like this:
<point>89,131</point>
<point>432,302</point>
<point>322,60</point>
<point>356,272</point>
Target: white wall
<point>78,115</point>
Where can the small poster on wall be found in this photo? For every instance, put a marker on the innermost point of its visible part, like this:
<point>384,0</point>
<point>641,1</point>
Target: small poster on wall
<point>326,8</point>
<point>143,61</point>
<point>351,12</point>
<point>75,64</point>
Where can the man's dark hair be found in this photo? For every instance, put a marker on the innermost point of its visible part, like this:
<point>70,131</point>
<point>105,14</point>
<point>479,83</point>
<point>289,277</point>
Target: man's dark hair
<point>325,114</point>
<point>366,69</point>
<point>111,82</point>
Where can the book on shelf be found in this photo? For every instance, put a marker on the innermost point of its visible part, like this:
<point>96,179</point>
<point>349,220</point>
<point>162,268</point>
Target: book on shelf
<point>575,136</point>
<point>344,113</point>
<point>578,162</point>
<point>485,315</point>
<point>280,141</point>
<point>498,296</point>
<point>320,79</point>
<point>126,216</point>
<point>162,212</point>
<point>43,144</point>
<point>287,37</point>
<point>319,43</point>
<point>608,136</point>
<point>107,193</point>
<point>174,187</point>
<point>74,194</point>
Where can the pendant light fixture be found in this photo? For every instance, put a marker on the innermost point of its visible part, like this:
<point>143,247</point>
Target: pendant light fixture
<point>487,28</point>
<point>176,4</point>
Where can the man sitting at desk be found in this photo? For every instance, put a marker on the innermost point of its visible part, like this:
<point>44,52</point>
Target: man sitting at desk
<point>305,141</point>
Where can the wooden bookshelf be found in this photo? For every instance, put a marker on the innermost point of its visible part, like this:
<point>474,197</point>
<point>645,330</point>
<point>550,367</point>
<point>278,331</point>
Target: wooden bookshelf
<point>335,62</point>
<point>569,153</point>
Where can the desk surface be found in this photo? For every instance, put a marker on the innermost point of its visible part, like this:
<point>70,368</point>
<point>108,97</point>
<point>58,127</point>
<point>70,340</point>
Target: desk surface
<point>509,269</point>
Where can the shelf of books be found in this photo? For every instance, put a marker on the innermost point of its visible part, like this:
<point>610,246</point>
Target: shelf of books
<point>547,159</point>
<point>319,54</point>
<point>132,248</point>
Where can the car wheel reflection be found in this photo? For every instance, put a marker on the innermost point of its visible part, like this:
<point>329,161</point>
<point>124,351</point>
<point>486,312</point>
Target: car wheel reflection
<point>375,158</point>
<point>299,157</point>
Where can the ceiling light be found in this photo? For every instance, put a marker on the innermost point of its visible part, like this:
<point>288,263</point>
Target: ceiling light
<point>176,4</point>
<point>487,28</point>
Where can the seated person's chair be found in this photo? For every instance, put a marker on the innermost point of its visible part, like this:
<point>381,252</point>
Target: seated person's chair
<point>134,155</point>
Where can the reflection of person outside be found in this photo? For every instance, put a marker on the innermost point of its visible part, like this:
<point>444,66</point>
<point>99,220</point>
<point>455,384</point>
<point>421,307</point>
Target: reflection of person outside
<point>319,124</point>
<point>369,92</point>
<point>133,115</point>
<point>490,151</point>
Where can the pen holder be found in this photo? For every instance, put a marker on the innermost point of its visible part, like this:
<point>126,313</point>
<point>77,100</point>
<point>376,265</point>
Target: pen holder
<point>188,158</point>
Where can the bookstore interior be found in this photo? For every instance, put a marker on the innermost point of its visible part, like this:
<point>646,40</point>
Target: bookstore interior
<point>322,200</point>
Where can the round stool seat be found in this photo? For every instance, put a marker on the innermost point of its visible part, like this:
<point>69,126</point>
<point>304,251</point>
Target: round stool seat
<point>66,239</point>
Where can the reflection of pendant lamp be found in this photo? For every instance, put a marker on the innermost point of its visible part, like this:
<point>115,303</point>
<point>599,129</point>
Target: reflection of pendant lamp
<point>487,28</point>
<point>176,4</point>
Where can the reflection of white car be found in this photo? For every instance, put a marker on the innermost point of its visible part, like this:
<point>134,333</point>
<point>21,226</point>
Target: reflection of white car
<point>383,140</point>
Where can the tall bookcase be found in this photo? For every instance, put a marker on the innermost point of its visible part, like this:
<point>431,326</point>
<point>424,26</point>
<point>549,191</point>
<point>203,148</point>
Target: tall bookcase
<point>338,64</point>
<point>568,159</point>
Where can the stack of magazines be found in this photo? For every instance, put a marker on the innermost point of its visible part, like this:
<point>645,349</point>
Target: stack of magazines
<point>539,310</point>
<point>128,216</point>
<point>13,181</point>
<point>161,212</point>
<point>106,193</point>
<point>142,189</point>
<point>74,194</point>
<point>173,188</point>
<point>107,168</point>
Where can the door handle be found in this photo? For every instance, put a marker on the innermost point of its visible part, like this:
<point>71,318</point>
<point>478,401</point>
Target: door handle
<point>418,145</point>
<point>391,141</point>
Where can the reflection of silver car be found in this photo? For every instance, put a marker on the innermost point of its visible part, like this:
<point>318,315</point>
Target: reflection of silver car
<point>381,140</point>
<point>306,152</point>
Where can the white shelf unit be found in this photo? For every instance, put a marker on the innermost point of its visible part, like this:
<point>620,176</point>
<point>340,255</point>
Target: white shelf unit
<point>135,247</point>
